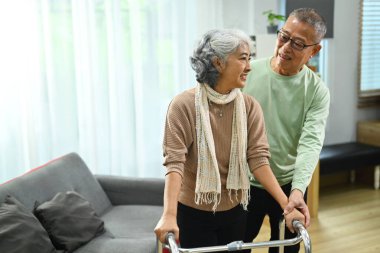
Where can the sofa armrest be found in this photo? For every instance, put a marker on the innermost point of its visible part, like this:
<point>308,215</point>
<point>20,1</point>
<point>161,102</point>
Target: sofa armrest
<point>133,191</point>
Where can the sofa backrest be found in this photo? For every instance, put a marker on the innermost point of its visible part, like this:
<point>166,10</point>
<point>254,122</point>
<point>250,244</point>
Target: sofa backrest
<point>66,173</point>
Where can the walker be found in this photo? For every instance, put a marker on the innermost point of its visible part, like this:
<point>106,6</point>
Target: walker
<point>302,235</point>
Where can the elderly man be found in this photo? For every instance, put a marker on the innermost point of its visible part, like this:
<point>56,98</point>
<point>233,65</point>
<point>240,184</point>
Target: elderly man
<point>295,102</point>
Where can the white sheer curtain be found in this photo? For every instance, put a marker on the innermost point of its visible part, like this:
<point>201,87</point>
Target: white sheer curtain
<point>93,77</point>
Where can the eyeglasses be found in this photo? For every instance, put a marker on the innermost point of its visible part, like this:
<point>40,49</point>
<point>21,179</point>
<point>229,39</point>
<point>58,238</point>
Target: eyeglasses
<point>298,45</point>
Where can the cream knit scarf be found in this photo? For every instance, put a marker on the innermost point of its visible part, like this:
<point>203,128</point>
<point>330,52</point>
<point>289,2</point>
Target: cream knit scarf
<point>208,185</point>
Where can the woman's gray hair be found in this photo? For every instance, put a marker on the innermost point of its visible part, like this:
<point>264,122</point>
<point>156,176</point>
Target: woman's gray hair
<point>216,44</point>
<point>313,18</point>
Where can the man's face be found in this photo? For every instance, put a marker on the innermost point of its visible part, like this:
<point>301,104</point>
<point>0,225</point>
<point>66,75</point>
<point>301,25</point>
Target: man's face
<point>288,59</point>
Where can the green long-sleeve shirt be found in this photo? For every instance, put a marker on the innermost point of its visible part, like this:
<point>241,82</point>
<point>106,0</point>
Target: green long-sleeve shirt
<point>295,111</point>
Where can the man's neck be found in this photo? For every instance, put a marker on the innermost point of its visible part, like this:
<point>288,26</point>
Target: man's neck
<point>282,71</point>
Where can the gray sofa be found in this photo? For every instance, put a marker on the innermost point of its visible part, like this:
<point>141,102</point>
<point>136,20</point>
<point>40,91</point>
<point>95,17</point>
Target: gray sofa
<point>129,207</point>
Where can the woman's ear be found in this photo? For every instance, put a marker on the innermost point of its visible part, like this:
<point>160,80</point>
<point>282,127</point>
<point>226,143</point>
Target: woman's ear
<point>218,64</point>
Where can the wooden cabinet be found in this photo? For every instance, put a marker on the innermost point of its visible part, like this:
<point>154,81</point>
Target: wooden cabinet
<point>368,132</point>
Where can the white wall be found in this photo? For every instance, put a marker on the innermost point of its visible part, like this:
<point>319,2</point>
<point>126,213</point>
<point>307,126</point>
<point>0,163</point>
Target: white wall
<point>343,49</point>
<point>247,14</point>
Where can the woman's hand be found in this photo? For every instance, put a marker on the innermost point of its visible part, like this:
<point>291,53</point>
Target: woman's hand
<point>167,223</point>
<point>294,215</point>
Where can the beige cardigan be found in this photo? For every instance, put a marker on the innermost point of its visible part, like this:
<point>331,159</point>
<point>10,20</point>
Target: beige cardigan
<point>180,147</point>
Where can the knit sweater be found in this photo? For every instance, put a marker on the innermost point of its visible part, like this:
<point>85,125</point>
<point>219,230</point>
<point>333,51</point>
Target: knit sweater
<point>180,147</point>
<point>295,110</point>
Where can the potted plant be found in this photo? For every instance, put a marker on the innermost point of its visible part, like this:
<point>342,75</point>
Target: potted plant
<point>273,20</point>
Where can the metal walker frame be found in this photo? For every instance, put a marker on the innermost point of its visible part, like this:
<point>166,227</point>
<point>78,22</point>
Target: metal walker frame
<point>302,235</point>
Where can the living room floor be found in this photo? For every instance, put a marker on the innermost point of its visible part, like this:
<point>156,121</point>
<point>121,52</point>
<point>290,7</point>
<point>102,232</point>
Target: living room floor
<point>348,221</point>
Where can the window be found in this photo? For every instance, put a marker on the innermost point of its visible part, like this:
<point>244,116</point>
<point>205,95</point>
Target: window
<point>369,75</point>
<point>93,77</point>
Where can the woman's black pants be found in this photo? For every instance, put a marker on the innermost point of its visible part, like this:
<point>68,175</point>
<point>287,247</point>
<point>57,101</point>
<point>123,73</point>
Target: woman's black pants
<point>199,228</point>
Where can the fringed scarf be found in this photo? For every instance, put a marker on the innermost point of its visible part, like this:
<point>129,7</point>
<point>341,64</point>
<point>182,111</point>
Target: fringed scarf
<point>208,184</point>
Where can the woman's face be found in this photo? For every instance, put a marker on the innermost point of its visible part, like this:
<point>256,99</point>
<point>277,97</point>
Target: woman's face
<point>233,72</point>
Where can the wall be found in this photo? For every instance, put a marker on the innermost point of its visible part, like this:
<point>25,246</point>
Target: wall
<point>342,72</point>
<point>247,15</point>
<point>243,14</point>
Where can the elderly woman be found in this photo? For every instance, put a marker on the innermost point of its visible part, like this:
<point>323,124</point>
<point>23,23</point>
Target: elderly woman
<point>214,141</point>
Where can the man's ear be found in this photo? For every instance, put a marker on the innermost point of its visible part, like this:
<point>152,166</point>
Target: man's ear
<point>316,49</point>
<point>218,64</point>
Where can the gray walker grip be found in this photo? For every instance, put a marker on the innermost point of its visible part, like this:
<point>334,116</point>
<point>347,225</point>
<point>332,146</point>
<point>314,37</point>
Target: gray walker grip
<point>234,246</point>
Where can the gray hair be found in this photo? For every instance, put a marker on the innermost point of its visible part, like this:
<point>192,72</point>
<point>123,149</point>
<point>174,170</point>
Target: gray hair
<point>216,44</point>
<point>313,18</point>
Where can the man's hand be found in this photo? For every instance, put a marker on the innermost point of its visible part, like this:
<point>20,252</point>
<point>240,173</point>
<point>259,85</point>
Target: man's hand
<point>296,201</point>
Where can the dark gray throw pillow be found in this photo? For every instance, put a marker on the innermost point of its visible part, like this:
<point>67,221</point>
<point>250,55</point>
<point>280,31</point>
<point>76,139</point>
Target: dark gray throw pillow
<point>69,220</point>
<point>20,231</point>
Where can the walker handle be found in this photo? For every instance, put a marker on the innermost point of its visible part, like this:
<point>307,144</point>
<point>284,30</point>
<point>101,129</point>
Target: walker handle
<point>301,231</point>
<point>170,240</point>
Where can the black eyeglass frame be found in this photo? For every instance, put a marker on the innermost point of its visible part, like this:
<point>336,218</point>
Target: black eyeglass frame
<point>293,42</point>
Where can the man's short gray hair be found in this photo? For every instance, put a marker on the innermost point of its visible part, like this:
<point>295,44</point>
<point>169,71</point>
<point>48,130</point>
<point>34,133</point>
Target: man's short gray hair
<point>216,44</point>
<point>313,18</point>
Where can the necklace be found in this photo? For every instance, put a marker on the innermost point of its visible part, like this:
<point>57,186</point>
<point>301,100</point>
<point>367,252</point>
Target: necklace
<point>219,111</point>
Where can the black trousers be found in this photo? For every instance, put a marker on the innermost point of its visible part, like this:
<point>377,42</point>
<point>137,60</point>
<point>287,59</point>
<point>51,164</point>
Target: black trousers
<point>199,228</point>
<point>261,204</point>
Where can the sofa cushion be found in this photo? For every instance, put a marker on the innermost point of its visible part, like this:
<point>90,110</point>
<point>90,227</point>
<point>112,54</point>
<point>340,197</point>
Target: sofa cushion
<point>129,229</point>
<point>102,244</point>
<point>70,220</point>
<point>20,231</point>
<point>132,221</point>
